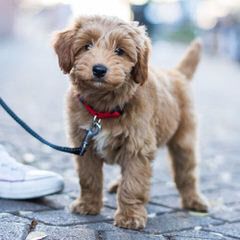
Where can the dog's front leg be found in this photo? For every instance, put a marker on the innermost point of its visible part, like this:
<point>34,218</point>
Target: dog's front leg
<point>133,193</point>
<point>89,168</point>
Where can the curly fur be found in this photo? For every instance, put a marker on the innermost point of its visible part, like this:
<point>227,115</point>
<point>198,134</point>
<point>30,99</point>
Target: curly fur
<point>159,111</point>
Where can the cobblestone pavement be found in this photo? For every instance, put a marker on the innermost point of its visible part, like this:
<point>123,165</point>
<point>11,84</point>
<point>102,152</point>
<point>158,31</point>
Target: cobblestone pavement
<point>34,87</point>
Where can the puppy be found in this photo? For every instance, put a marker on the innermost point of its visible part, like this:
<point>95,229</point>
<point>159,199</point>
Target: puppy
<point>107,62</point>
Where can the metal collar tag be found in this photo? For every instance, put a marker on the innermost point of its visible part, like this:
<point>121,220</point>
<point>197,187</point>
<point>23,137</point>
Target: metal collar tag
<point>91,132</point>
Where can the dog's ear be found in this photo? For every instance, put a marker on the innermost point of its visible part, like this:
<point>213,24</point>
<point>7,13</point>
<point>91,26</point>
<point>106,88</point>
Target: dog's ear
<point>140,70</point>
<point>63,45</point>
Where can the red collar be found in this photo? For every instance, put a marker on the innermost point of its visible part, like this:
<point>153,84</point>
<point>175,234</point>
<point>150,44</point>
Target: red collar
<point>116,112</point>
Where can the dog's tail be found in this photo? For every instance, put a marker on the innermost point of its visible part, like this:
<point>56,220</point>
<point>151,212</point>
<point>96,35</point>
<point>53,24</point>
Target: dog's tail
<point>189,62</point>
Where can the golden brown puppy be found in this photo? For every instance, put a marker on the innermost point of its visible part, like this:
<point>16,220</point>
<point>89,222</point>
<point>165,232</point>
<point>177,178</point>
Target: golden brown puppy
<point>107,61</point>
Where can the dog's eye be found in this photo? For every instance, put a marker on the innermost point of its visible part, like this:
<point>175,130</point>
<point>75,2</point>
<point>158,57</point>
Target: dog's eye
<point>87,47</point>
<point>119,51</point>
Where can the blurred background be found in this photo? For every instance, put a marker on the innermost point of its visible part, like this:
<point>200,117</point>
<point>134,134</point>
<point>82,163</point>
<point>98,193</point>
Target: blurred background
<point>33,85</point>
<point>216,21</point>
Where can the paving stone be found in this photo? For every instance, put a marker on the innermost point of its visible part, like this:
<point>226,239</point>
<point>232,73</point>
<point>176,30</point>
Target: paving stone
<point>56,201</point>
<point>12,227</point>
<point>21,205</point>
<point>216,197</point>
<point>229,213</point>
<point>172,201</point>
<point>176,221</point>
<point>64,217</point>
<point>159,189</point>
<point>210,182</point>
<point>71,184</point>
<point>129,236</point>
<point>163,188</point>
<point>227,229</point>
<point>92,231</point>
<point>155,209</point>
<point>196,234</point>
<point>110,200</point>
<point>216,164</point>
<point>111,172</point>
<point>221,179</point>
<point>66,233</point>
<point>103,226</point>
<point>224,196</point>
<point>161,169</point>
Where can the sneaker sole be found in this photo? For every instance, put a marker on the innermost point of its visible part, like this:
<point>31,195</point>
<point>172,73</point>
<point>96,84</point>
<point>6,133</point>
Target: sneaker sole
<point>30,189</point>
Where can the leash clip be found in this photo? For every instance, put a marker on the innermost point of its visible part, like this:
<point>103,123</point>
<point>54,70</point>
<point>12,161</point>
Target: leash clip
<point>91,132</point>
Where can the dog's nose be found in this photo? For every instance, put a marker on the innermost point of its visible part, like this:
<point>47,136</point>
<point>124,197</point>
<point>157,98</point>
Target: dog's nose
<point>99,71</point>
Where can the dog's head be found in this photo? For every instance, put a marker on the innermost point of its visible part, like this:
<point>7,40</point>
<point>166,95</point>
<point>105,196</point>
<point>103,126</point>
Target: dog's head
<point>103,52</point>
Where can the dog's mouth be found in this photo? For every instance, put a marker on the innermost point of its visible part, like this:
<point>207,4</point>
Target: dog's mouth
<point>99,83</point>
<point>95,82</point>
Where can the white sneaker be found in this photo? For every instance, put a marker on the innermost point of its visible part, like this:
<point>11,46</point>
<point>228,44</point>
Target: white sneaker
<point>18,181</point>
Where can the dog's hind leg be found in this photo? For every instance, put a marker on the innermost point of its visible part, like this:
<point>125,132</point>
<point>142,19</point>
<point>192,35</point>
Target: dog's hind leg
<point>114,185</point>
<point>183,155</point>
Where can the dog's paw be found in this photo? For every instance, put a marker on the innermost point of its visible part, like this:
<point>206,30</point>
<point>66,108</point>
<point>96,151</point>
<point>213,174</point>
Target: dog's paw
<point>136,222</point>
<point>80,207</point>
<point>196,203</point>
<point>113,186</point>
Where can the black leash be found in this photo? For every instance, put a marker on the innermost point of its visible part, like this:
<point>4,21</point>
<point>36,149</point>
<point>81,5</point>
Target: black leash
<point>77,151</point>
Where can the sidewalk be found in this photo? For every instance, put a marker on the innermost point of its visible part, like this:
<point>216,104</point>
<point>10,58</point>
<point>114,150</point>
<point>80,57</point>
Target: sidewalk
<point>31,83</point>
